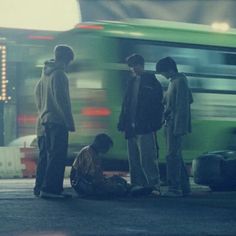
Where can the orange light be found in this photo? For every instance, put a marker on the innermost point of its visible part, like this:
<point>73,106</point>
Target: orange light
<point>95,111</point>
<point>40,37</point>
<point>94,27</point>
<point>22,119</point>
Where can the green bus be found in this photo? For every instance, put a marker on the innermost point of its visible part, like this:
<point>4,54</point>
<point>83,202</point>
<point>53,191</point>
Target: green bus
<point>99,74</point>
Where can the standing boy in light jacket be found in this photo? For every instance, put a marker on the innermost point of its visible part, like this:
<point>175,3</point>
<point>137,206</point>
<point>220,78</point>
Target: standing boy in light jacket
<point>178,123</point>
<point>55,120</point>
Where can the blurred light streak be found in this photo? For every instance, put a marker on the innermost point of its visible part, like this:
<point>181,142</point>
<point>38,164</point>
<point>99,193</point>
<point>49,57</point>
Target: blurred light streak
<point>220,26</point>
<point>29,119</point>
<point>40,37</point>
<point>95,111</point>
<point>95,27</point>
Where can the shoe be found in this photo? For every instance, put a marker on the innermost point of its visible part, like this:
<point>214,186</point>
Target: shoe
<point>137,191</point>
<point>156,190</point>
<point>172,194</point>
<point>48,195</point>
<point>36,192</point>
<point>156,193</point>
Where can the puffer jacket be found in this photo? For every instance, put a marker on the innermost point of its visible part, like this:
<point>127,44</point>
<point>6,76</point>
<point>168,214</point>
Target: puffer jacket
<point>149,110</point>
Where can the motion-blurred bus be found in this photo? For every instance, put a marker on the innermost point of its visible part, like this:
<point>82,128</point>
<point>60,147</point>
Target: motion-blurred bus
<point>98,79</point>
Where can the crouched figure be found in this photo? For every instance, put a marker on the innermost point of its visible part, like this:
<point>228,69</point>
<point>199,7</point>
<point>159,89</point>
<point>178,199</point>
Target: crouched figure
<point>87,173</point>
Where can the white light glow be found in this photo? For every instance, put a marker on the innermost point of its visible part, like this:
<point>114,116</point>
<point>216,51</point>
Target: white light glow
<point>39,14</point>
<point>220,26</point>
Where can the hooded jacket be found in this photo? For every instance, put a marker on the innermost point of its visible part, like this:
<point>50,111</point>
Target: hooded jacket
<point>177,101</point>
<point>149,108</point>
<point>53,98</point>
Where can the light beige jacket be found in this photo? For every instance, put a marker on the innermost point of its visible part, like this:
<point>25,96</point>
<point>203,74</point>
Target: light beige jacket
<point>178,99</point>
<point>53,98</point>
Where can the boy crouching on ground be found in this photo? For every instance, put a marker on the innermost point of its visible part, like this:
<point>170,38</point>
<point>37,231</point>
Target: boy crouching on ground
<point>87,174</point>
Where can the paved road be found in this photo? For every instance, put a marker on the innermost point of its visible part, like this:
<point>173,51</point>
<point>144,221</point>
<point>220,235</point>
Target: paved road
<point>204,213</point>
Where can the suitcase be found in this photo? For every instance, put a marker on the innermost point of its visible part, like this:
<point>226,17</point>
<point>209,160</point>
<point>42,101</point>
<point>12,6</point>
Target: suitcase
<point>216,169</point>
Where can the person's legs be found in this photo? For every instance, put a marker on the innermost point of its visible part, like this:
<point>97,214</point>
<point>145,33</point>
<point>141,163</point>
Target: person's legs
<point>185,184</point>
<point>173,161</point>
<point>149,163</point>
<point>41,164</point>
<point>84,188</point>
<point>136,173</point>
<point>57,144</point>
<point>114,186</point>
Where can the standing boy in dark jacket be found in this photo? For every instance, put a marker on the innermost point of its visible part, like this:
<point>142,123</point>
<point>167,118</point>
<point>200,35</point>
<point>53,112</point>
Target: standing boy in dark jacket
<point>54,122</point>
<point>140,118</point>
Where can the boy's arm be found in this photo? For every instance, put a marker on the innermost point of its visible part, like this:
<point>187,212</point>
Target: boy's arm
<point>62,93</point>
<point>96,170</point>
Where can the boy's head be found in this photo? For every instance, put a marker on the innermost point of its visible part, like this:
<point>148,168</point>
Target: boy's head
<point>64,53</point>
<point>136,64</point>
<point>102,143</point>
<point>166,67</point>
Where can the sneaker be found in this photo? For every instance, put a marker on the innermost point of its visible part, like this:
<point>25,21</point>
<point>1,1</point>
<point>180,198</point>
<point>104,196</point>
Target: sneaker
<point>172,194</point>
<point>156,193</point>
<point>48,195</point>
<point>36,192</point>
<point>137,191</point>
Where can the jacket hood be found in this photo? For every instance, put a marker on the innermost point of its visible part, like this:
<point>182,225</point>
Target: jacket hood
<point>50,66</point>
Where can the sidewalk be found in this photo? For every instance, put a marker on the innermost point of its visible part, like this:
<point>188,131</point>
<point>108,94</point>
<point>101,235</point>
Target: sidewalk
<point>23,188</point>
<point>203,213</point>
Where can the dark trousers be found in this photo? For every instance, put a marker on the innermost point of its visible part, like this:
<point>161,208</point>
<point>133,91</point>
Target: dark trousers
<point>42,163</point>
<point>114,186</point>
<point>177,175</point>
<point>51,166</point>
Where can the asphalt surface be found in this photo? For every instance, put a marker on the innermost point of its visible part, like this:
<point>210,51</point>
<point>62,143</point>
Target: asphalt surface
<point>203,213</point>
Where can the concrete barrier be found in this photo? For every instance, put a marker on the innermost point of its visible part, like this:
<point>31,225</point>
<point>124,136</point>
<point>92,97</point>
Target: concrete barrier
<point>10,162</point>
<point>18,162</point>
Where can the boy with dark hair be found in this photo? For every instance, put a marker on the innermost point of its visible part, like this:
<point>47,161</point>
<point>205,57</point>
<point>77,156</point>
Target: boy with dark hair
<point>177,116</point>
<point>140,118</point>
<point>166,64</point>
<point>63,53</point>
<point>135,59</point>
<point>87,174</point>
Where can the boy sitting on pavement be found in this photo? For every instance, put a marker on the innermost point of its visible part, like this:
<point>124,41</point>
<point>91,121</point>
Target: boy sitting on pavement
<point>87,174</point>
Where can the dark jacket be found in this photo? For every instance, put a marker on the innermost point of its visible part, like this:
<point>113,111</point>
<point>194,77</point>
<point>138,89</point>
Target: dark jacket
<point>149,110</point>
